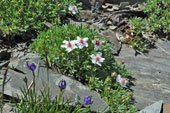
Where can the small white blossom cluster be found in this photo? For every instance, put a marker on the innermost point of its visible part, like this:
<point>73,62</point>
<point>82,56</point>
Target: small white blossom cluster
<point>121,81</point>
<point>97,59</point>
<point>81,43</point>
<point>73,9</point>
<point>70,45</point>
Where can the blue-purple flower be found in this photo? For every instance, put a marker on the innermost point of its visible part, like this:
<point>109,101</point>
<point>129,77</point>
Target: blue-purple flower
<point>88,100</point>
<point>62,84</point>
<point>31,67</point>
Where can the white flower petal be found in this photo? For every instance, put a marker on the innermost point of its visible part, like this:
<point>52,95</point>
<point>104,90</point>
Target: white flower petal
<point>80,46</point>
<point>70,8</point>
<point>86,44</point>
<point>98,63</point>
<point>69,49</point>
<point>63,46</point>
<point>65,41</point>
<point>74,12</point>
<point>92,56</point>
<point>93,61</point>
<point>118,78</point>
<point>102,59</point>
<point>85,39</point>
<point>93,41</point>
<point>78,38</point>
<point>96,47</point>
<point>99,54</point>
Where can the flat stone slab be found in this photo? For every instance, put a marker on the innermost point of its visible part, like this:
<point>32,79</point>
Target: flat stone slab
<point>151,74</point>
<point>12,87</point>
<point>154,108</point>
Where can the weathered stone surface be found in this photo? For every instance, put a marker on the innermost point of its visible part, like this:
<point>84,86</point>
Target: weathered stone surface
<point>154,108</point>
<point>151,74</point>
<point>123,5</point>
<point>166,108</point>
<point>8,109</point>
<point>116,46</point>
<point>12,87</point>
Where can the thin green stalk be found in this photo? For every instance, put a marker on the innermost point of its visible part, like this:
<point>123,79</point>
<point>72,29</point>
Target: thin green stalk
<point>3,88</point>
<point>34,85</point>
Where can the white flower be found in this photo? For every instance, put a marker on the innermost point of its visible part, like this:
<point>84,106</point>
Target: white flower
<point>122,81</point>
<point>82,42</point>
<point>69,45</point>
<point>97,44</point>
<point>97,59</point>
<point>73,9</point>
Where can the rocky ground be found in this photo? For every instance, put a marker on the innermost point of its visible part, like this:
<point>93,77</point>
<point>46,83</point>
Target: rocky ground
<point>151,71</point>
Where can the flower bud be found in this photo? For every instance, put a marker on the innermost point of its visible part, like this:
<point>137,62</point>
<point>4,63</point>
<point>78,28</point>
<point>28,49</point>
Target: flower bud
<point>113,74</point>
<point>88,26</point>
<point>90,80</point>
<point>88,100</point>
<point>20,10</point>
<point>69,33</point>
<point>123,61</point>
<point>31,67</point>
<point>103,42</point>
<point>130,94</point>
<point>107,80</point>
<point>108,89</point>
<point>59,5</point>
<point>62,84</point>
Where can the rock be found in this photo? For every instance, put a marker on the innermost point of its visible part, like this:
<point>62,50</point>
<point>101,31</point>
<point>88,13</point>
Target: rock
<point>123,5</point>
<point>102,26</point>
<point>20,71</point>
<point>95,26</point>
<point>112,27</point>
<point>96,5</point>
<point>154,108</point>
<point>107,5</point>
<point>116,46</point>
<point>86,14</point>
<point>109,23</point>
<point>8,109</point>
<point>5,63</point>
<point>110,7</point>
<point>120,36</point>
<point>150,80</point>
<point>166,108</point>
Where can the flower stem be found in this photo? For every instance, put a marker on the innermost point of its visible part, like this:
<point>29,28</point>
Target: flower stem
<point>3,88</point>
<point>34,84</point>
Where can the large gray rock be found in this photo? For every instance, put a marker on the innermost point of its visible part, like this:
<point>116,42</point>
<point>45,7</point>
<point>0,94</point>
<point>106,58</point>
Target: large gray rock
<point>154,108</point>
<point>12,87</point>
<point>150,72</point>
<point>111,36</point>
<point>8,109</point>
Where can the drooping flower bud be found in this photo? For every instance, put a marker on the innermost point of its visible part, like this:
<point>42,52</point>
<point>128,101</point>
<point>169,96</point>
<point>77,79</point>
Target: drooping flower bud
<point>88,100</point>
<point>31,67</point>
<point>62,84</point>
<point>113,74</point>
